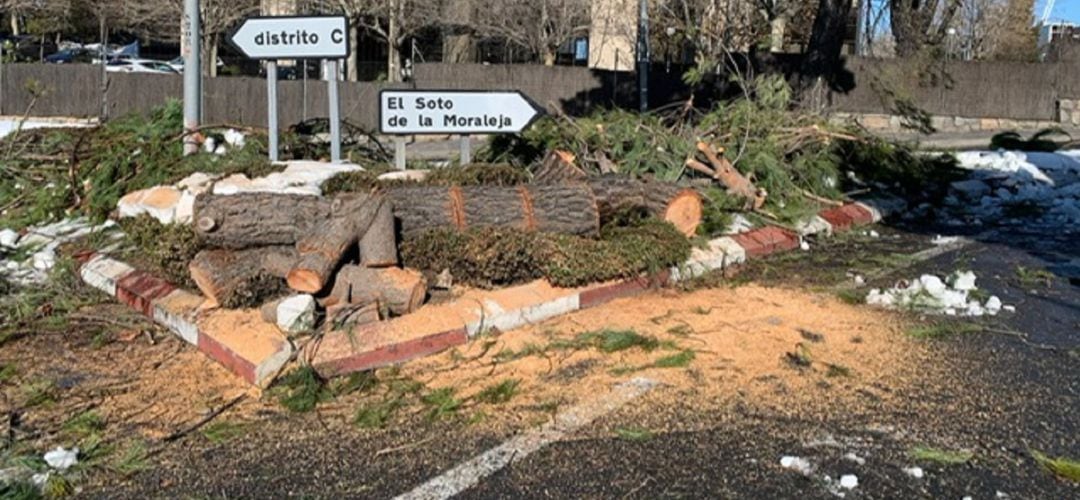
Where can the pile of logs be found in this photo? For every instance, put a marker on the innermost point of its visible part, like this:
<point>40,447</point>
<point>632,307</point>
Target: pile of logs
<point>343,250</point>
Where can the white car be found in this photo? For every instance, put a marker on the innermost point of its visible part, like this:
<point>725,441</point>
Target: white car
<point>139,66</point>
<point>178,64</point>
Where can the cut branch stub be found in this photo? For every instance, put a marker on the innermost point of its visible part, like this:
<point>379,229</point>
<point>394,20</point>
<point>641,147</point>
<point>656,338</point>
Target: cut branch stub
<point>323,249</point>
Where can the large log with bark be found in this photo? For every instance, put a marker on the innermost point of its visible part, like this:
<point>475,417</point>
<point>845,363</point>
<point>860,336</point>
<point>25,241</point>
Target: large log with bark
<point>229,277</point>
<point>556,208</point>
<point>401,290</point>
<point>257,219</point>
<point>323,248</point>
<point>679,205</point>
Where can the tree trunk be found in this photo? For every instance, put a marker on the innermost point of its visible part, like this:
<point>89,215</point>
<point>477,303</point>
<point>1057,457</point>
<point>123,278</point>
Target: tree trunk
<point>15,28</point>
<point>679,205</point>
<point>229,278</point>
<point>458,49</point>
<point>322,250</point>
<point>549,57</point>
<point>568,209</point>
<point>777,26</point>
<point>378,246</point>
<point>213,68</point>
<point>393,47</point>
<point>822,61</point>
<point>354,51</point>
<point>257,219</point>
<point>401,290</point>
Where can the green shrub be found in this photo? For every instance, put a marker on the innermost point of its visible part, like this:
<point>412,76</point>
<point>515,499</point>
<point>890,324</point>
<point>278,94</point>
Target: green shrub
<point>493,257</point>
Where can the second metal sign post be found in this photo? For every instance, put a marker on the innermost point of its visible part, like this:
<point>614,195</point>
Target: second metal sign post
<point>289,37</point>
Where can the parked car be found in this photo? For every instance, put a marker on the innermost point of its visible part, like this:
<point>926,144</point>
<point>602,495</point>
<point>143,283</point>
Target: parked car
<point>178,64</point>
<point>68,56</point>
<point>129,65</point>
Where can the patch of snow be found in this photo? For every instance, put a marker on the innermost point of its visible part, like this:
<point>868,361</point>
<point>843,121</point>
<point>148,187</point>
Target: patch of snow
<point>933,295</point>
<point>849,481</point>
<point>940,240</point>
<point>296,314</point>
<point>915,472</point>
<point>804,246</point>
<point>739,224</point>
<point>62,459</point>
<point>8,238</point>
<point>798,464</point>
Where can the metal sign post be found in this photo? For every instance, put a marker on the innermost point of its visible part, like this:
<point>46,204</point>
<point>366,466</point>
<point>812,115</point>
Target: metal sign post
<point>335,111</point>
<point>272,113</point>
<point>465,155</point>
<point>301,38</point>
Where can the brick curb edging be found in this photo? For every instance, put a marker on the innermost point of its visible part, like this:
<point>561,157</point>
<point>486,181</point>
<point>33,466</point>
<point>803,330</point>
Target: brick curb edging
<point>177,310</point>
<point>386,343</point>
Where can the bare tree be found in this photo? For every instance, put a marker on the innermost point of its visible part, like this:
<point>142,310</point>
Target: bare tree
<point>160,20</point>
<point>539,26</point>
<point>713,29</point>
<point>920,24</point>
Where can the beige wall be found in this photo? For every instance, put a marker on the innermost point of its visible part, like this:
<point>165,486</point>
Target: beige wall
<point>278,7</point>
<point>613,35</point>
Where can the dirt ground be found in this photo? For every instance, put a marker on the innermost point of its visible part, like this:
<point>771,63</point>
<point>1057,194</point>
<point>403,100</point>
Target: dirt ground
<point>728,357</point>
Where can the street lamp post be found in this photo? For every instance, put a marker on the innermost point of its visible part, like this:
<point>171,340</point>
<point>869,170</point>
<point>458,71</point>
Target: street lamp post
<point>192,76</point>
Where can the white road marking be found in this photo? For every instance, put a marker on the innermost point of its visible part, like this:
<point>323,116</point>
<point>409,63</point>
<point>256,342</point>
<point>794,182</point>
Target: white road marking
<point>469,474</point>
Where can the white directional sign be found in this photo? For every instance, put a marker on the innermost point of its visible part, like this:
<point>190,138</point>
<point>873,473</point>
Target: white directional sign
<point>285,37</point>
<point>454,112</point>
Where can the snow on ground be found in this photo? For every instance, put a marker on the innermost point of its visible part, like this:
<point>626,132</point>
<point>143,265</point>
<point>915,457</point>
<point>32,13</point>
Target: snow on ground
<point>1017,188</point>
<point>30,255</point>
<point>952,296</point>
<point>8,125</point>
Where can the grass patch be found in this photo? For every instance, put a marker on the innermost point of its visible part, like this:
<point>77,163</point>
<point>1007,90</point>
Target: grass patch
<point>941,456</point>
<point>8,371</point>
<point>85,424</point>
<point>836,371</point>
<point>441,403</point>
<point>1034,278</point>
<point>499,393</point>
<point>610,341</point>
<point>132,460</point>
<point>376,415</point>
<point>636,434</point>
<point>851,296</point>
<point>46,307</point>
<point>301,390</point>
<point>944,329</point>
<point>1066,468</point>
<point>800,357</point>
<point>39,393</point>
<point>680,360</point>
<point>223,431</point>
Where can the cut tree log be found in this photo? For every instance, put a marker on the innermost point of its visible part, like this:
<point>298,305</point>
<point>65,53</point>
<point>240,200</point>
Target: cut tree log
<point>735,182</point>
<point>555,208</point>
<point>257,219</point>
<point>558,167</point>
<point>227,277</point>
<point>322,250</point>
<point>401,290</point>
<point>378,245</point>
<point>679,205</point>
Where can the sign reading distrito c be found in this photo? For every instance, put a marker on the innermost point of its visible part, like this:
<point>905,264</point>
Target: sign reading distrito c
<point>320,37</point>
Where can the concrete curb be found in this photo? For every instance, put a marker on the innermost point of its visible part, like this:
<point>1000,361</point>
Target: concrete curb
<point>256,356</point>
<point>259,351</point>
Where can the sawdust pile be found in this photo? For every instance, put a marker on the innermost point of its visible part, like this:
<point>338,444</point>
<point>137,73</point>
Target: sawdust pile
<point>778,350</point>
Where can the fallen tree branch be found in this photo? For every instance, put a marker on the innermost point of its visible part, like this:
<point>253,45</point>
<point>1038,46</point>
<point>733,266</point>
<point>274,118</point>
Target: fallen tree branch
<point>205,420</point>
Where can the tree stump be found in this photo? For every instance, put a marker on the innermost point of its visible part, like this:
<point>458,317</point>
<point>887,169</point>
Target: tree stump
<point>378,245</point>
